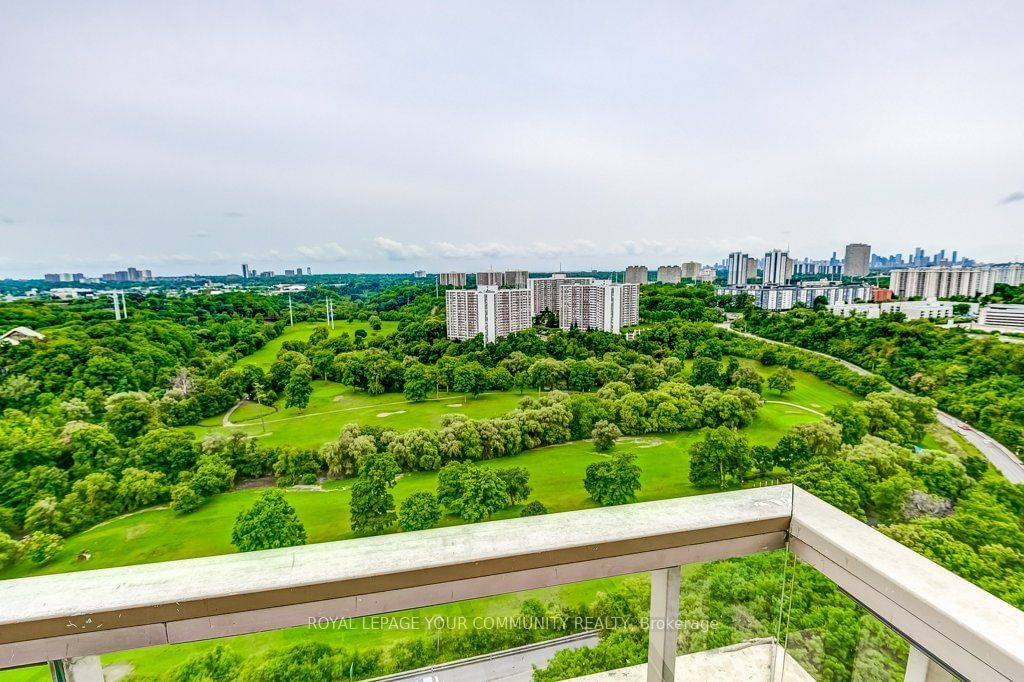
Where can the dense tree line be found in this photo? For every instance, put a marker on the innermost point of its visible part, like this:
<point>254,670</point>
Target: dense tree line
<point>978,380</point>
<point>1004,293</point>
<point>87,415</point>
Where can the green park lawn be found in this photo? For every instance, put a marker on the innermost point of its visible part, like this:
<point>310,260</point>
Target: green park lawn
<point>300,331</point>
<point>556,475</point>
<point>333,405</point>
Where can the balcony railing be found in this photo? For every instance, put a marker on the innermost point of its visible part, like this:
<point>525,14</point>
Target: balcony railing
<point>67,619</point>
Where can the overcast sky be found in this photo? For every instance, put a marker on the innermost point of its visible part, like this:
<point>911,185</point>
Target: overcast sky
<point>388,136</point>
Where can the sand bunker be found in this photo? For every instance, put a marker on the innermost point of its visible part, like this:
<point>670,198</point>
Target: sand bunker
<point>388,414</point>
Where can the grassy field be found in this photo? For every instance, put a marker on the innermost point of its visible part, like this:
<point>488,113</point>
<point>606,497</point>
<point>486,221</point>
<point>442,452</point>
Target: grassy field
<point>300,331</point>
<point>556,475</point>
<point>332,406</point>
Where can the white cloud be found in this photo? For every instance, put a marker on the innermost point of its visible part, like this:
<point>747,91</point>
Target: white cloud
<point>396,250</point>
<point>332,251</point>
<point>470,250</point>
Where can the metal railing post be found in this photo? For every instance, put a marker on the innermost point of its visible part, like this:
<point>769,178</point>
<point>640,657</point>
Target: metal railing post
<point>663,627</point>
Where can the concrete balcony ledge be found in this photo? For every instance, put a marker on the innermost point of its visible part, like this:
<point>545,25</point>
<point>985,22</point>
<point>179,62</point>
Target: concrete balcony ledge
<point>89,612</point>
<point>57,617</point>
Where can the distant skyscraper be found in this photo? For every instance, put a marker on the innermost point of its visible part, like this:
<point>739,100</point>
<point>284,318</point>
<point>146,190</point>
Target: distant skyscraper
<point>778,267</point>
<point>636,274</point>
<point>751,269</point>
<point>516,279</point>
<point>857,261</point>
<point>488,279</point>
<point>670,274</point>
<point>309,270</point>
<point>737,269</point>
<point>453,279</point>
<point>246,273</point>
<point>691,270</point>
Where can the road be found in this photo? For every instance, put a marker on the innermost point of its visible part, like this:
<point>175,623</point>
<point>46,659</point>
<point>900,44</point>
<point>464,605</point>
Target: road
<point>511,665</point>
<point>995,452</point>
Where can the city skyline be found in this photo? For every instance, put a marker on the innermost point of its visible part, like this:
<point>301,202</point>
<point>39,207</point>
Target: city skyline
<point>360,138</point>
<point>917,257</point>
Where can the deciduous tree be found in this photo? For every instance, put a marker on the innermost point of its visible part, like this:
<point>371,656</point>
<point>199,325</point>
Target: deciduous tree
<point>615,481</point>
<point>605,434</point>
<point>419,511</point>
<point>782,381</point>
<point>373,505</point>
<point>269,523</point>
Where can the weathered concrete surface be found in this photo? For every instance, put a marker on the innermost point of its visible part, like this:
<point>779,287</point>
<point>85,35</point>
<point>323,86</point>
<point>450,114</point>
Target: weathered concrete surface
<point>759,660</point>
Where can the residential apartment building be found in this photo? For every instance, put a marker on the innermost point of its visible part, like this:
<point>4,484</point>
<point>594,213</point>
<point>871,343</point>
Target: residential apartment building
<point>1009,274</point>
<point>938,282</point>
<point>486,310</point>
<point>707,275</point>
<point>751,269</point>
<point>516,279</point>
<point>785,297</point>
<point>545,291</point>
<point>1003,315</point>
<point>599,305</point>
<point>452,279</point>
<point>670,274</point>
<point>488,279</point>
<point>129,275</point>
<point>64,277</point>
<point>636,274</point>
<point>741,268</point>
<point>691,270</point>
<point>778,267</point>
<point>736,269</point>
<point>818,267</point>
<point>912,310</point>
<point>857,262</point>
